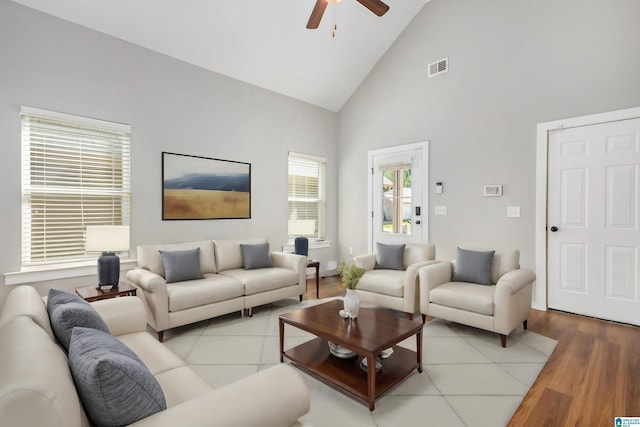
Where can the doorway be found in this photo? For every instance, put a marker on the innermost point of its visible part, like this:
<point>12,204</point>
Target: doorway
<point>397,195</point>
<point>590,227</point>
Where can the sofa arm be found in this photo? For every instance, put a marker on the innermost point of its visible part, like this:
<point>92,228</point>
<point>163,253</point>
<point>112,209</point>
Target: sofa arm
<point>429,277</point>
<point>416,266</point>
<point>152,289</point>
<point>411,280</point>
<point>366,261</point>
<point>516,280</point>
<point>293,262</point>
<point>512,300</point>
<point>432,275</point>
<point>147,280</point>
<point>290,261</point>
<point>123,315</point>
<point>274,397</point>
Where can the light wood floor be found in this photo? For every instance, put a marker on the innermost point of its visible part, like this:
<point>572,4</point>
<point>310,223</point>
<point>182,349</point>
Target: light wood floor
<point>592,376</point>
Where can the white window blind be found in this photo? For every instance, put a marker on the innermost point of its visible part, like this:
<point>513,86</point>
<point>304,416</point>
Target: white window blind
<point>307,196</point>
<point>75,173</point>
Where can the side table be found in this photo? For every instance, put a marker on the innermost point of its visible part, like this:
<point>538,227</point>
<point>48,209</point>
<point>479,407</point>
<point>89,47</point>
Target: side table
<point>315,263</point>
<point>93,293</point>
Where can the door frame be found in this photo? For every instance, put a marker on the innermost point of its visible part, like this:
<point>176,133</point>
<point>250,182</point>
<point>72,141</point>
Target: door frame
<point>424,147</point>
<point>540,301</point>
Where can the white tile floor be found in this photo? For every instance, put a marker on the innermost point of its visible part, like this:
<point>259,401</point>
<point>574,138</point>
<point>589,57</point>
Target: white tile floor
<point>468,379</point>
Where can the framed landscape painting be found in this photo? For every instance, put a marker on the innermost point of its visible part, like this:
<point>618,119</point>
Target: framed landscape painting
<point>196,187</point>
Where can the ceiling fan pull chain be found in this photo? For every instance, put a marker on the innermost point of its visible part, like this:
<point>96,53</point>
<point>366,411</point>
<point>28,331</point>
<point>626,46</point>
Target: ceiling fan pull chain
<point>335,25</point>
<point>378,7</point>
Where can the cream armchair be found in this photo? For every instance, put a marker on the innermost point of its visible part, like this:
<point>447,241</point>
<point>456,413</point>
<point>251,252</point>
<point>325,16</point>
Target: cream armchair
<point>499,306</point>
<point>394,288</point>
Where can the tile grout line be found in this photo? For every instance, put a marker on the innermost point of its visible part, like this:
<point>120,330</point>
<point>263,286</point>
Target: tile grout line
<point>270,313</point>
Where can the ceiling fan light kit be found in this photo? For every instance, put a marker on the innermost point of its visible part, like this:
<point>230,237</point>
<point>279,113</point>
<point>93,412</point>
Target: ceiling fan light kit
<point>376,6</point>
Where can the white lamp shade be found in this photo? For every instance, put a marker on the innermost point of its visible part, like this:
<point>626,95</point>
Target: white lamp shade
<point>107,238</point>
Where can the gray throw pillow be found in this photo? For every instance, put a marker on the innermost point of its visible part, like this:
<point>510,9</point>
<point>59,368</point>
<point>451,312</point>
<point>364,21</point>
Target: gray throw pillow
<point>181,265</point>
<point>473,266</point>
<point>67,311</point>
<point>114,385</point>
<point>256,256</point>
<point>389,257</point>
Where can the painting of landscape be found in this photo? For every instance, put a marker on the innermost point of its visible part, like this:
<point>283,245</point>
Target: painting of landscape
<point>204,188</point>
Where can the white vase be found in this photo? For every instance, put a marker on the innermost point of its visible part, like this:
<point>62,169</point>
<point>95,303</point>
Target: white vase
<point>352,303</point>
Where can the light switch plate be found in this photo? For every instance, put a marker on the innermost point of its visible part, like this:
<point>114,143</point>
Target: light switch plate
<point>440,210</point>
<point>513,211</point>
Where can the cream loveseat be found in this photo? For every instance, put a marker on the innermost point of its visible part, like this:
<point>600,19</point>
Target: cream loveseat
<point>37,387</point>
<point>227,283</point>
<point>480,288</point>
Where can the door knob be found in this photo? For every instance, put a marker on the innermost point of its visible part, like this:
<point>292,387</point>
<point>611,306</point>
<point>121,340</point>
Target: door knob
<point>554,228</point>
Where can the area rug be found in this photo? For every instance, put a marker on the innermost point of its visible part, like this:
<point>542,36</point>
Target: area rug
<point>468,379</point>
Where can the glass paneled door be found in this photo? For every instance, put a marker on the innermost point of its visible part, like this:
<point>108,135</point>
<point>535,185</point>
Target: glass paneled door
<point>397,197</point>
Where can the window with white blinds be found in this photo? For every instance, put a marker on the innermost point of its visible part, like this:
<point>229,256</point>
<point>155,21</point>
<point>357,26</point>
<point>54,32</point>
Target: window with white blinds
<point>75,173</point>
<point>307,196</point>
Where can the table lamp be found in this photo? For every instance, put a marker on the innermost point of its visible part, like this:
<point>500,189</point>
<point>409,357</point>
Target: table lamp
<point>107,239</point>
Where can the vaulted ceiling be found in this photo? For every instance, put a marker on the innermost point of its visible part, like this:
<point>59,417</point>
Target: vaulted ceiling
<point>264,43</point>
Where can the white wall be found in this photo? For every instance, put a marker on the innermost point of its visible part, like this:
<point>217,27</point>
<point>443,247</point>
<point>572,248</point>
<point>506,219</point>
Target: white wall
<point>51,64</point>
<point>513,64</point>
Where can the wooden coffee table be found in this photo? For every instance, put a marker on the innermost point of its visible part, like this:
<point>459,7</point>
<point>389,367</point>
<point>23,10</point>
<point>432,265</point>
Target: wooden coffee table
<point>368,335</point>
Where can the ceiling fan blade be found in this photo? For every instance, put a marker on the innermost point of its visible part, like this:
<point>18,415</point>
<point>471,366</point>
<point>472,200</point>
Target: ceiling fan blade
<point>375,6</point>
<point>316,14</point>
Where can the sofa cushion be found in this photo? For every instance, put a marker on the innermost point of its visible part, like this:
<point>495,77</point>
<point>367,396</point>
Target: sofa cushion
<point>115,387</point>
<point>256,256</point>
<point>67,310</point>
<point>181,265</point>
<point>149,256</point>
<point>152,352</point>
<point>389,257</point>
<point>504,262</point>
<point>418,252</point>
<point>464,296</point>
<point>229,254</point>
<point>473,266</point>
<point>194,293</point>
<point>386,282</point>
<point>262,280</point>
<point>182,384</point>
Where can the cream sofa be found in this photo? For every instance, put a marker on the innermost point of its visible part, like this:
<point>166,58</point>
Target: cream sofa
<point>225,288</point>
<point>37,388</point>
<point>395,289</point>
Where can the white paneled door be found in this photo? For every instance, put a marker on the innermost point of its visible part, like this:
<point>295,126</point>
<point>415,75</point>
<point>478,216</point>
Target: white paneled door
<point>592,225</point>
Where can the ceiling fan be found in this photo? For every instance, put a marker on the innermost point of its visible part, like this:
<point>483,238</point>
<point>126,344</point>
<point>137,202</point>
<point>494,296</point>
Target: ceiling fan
<point>375,6</point>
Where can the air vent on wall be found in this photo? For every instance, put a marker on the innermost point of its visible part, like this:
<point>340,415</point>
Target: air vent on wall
<point>439,67</point>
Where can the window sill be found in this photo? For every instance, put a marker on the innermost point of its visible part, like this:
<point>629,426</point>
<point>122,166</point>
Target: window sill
<point>45,273</point>
<point>316,244</point>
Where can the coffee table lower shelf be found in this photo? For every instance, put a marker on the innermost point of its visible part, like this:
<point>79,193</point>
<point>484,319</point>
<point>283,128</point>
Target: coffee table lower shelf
<point>346,375</point>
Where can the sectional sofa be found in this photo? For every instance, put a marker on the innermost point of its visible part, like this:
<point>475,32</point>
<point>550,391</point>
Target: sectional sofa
<point>39,387</point>
<point>225,276</point>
